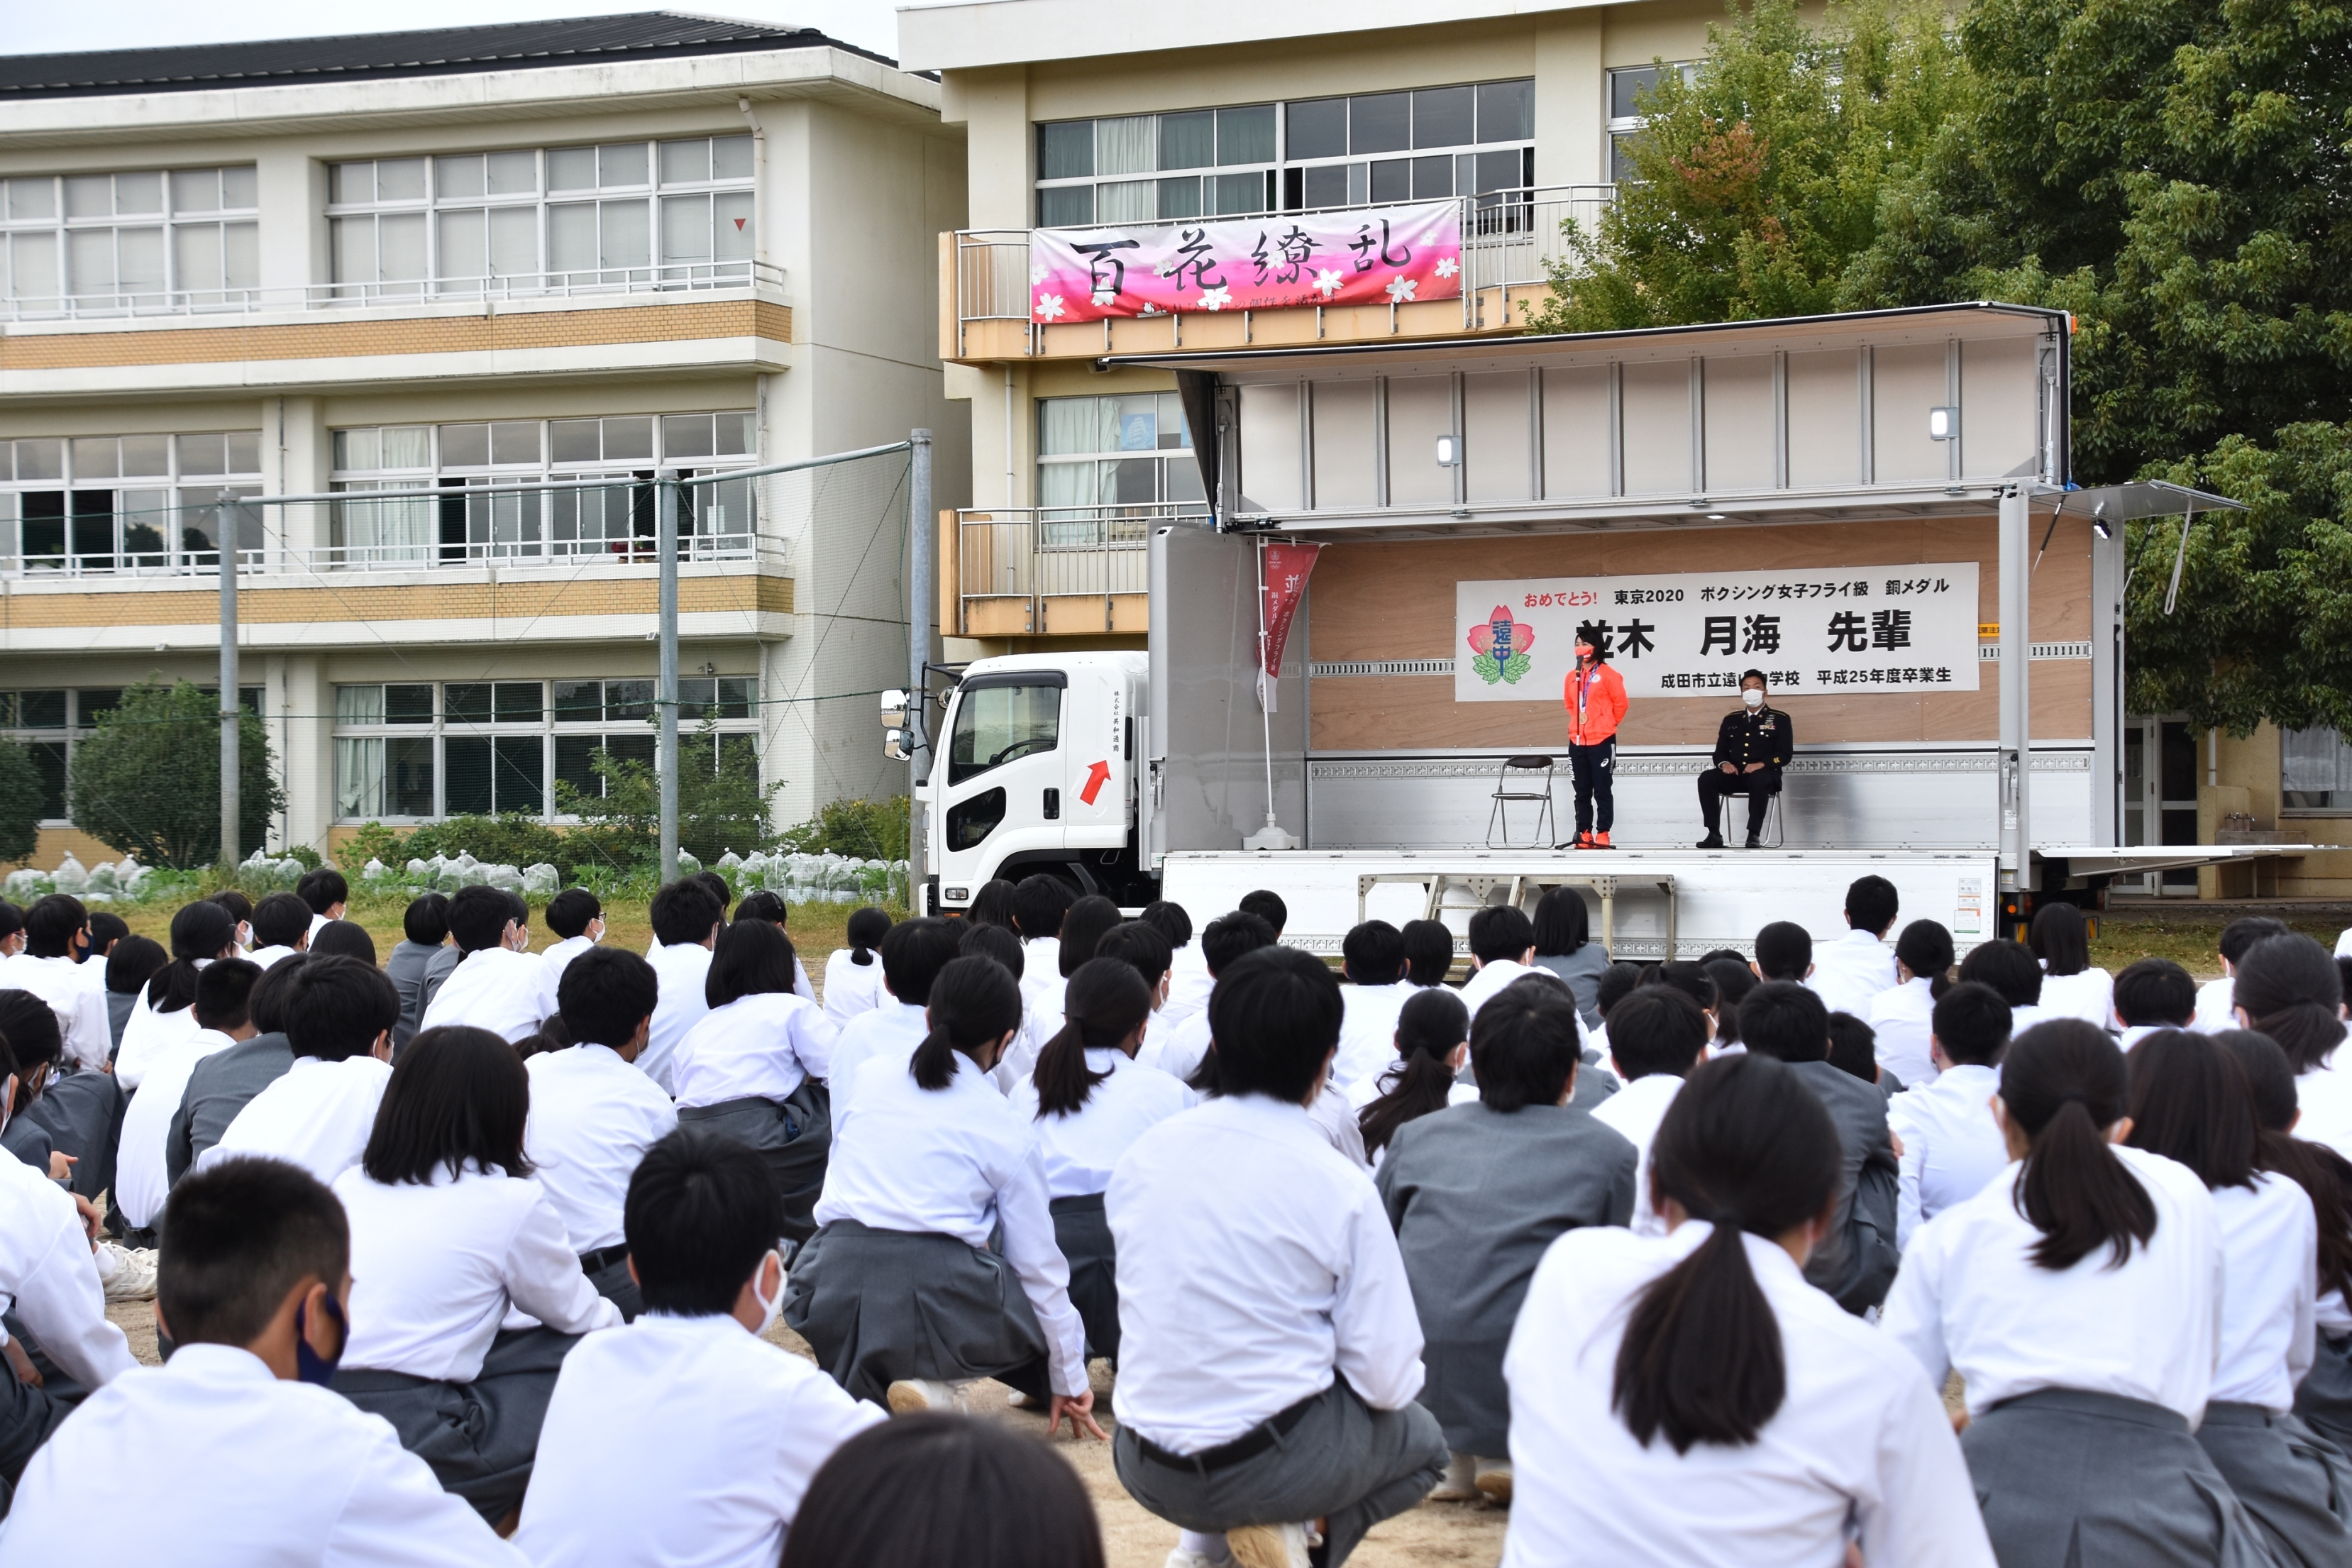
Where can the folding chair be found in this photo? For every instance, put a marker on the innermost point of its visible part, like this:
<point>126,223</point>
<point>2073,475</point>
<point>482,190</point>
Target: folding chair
<point>1499,817</point>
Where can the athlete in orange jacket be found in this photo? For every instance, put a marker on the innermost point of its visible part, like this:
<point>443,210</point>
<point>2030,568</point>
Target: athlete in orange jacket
<point>1595,695</point>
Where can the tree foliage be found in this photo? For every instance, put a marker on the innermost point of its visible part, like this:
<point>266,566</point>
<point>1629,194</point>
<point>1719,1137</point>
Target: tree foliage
<point>719,808</point>
<point>20,803</point>
<point>147,780</point>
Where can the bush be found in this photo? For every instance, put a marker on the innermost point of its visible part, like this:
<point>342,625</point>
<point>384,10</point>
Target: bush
<point>718,810</point>
<point>147,781</point>
<point>372,841</point>
<point>20,803</point>
<point>861,829</point>
<point>511,840</point>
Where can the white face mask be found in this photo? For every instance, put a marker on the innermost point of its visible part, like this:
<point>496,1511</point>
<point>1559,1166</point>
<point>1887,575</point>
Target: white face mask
<point>770,1311</point>
<point>1753,697</point>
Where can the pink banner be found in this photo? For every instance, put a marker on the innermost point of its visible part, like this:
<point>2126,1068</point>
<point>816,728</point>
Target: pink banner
<point>1392,255</point>
<point>1283,570</point>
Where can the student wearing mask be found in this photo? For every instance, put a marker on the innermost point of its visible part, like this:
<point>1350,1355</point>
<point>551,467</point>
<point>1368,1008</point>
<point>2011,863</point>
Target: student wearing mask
<point>2215,998</point>
<point>1902,1016</point>
<point>338,1019</point>
<point>37,1051</point>
<point>1658,1038</point>
<point>420,962</point>
<point>224,1016</point>
<point>2071,988</point>
<point>281,928</point>
<point>201,932</point>
<point>1373,963</point>
<point>1594,696</point>
<point>1189,982</point>
<point>913,953</point>
<point>326,893</point>
<point>56,941</point>
<point>686,918</point>
<point>1953,1146</point>
<point>496,986</point>
<point>1850,973</point>
<point>1180,1050</point>
<point>853,975</point>
<point>1734,979</point>
<point>2151,994</point>
<point>575,918</point>
<point>1752,747</point>
<point>1145,950</point>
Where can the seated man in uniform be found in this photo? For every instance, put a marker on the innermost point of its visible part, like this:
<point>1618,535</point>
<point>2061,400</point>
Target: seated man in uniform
<point>1750,750</point>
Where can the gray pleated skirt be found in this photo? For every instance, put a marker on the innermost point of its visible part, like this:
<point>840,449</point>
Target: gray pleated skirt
<point>2323,1399</point>
<point>2296,1484</point>
<point>1083,1232</point>
<point>880,1305</point>
<point>794,1136</point>
<point>2072,1480</point>
<point>478,1437</point>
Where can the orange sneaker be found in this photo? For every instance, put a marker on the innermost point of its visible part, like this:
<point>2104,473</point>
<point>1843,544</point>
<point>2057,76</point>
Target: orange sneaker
<point>1584,841</point>
<point>1600,841</point>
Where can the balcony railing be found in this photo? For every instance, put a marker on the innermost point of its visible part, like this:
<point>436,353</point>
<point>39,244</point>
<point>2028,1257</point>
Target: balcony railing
<point>686,277</point>
<point>198,569</point>
<point>1059,571</point>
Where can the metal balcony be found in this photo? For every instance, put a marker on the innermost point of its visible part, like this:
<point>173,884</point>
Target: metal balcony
<point>1052,571</point>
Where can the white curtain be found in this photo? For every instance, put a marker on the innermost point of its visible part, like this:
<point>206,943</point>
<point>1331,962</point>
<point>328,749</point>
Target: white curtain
<point>380,531</point>
<point>359,769</point>
<point>2315,762</point>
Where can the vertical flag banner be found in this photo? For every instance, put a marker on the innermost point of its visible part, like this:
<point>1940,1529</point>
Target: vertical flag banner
<point>1283,570</point>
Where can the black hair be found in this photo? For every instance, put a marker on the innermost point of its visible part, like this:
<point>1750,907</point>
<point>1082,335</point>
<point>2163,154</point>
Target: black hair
<point>683,912</point>
<point>1721,954</point>
<point>1853,1046</point>
<point>2155,992</point>
<point>1784,951</point>
<point>1373,954</point>
<point>1428,951</point>
<point>2324,1175</point>
<point>1747,675</point>
<point>235,902</point>
<point>1500,932</point>
<point>479,917</point>
<point>998,942</point>
<point>133,962</point>
<point>1266,905</point>
<point>1523,1048</point>
<point>1430,1027</point>
<point>1616,983</point>
<point>1747,1148</point>
<point>105,931</point>
<point>345,939</point>
<point>931,1489</point>
<point>973,1001</point>
<point>1228,937</point>
<point>1105,1003</point>
<point>570,912</point>
<point>1083,924</point>
<point>237,1239</point>
<point>1563,923</point>
<point>702,1212</point>
<point>52,923</point>
<point>1971,1022</point>
<point>716,886</point>
<point>991,905</point>
<point>2290,990</point>
<point>31,1030</point>
<point>1691,979</point>
<point>338,1007</point>
<point>2238,937</point>
<point>12,918</point>
<point>866,931</point>
<point>280,919</point>
<point>457,1095</point>
<point>1039,902</point>
<point>751,958</point>
<point>1275,1020</point>
<point>322,889</point>
<point>2064,1083</point>
<point>1786,1021</point>
<point>224,993</point>
<point>1872,904</point>
<point>2191,1102</point>
<point>1170,920</point>
<point>913,953</point>
<point>426,921</point>
<point>2060,938</point>
<point>1732,980</point>
<point>1656,1029</point>
<point>274,990</point>
<point>1924,949</point>
<point>759,904</point>
<point>203,931</point>
<point>1143,947</point>
<point>2008,967</point>
<point>604,993</point>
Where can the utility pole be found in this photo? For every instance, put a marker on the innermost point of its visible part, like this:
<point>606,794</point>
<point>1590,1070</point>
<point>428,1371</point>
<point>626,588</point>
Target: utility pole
<point>224,530</point>
<point>665,490</point>
<point>2016,712</point>
<point>918,654</point>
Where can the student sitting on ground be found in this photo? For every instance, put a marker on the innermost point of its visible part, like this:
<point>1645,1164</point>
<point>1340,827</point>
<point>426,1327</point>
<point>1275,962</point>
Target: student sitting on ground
<point>1565,945</point>
<point>764,905</point>
<point>68,1120</point>
<point>1901,1015</point>
<point>2072,986</point>
<point>2010,969</point>
<point>2153,994</point>
<point>1784,951</point>
<point>2216,999</point>
<point>496,986</point>
<point>593,1114</point>
<point>1658,1039</point>
<point>1689,1398</point>
<point>1850,973</point>
<point>686,918</point>
<point>449,1234</point>
<point>223,1012</point>
<point>1854,1050</point>
<point>420,962</point>
<point>281,928</point>
<point>325,891</point>
<point>1953,1147</point>
<point>1431,1048</point>
<point>913,953</point>
<point>1428,952</point>
<point>1734,979</point>
<point>853,975</point>
<point>899,1293</point>
<point>36,1050</point>
<point>1082,925</point>
<point>1477,1193</point>
<point>1501,948</point>
<point>1039,904</point>
<point>345,939</point>
<point>201,932</point>
<point>1693,982</point>
<point>133,962</point>
<point>338,1019</point>
<point>1187,972</point>
<point>1179,1051</point>
<point>2289,988</point>
<point>1617,982</point>
<point>1373,963</point>
<point>998,944</point>
<point>1144,949</point>
<point>224,1083</point>
<point>718,1431</point>
<point>54,967</point>
<point>1266,905</point>
<point>228,1454</point>
<point>575,918</point>
<point>753,1067</point>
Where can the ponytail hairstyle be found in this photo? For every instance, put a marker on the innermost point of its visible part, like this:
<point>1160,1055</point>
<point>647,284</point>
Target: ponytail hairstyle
<point>2063,1084</point>
<point>973,1001</point>
<point>1924,949</point>
<point>2191,1102</point>
<point>1433,1024</point>
<point>2324,1175</point>
<point>1746,1149</point>
<point>867,927</point>
<point>1105,1003</point>
<point>200,932</point>
<point>2290,990</point>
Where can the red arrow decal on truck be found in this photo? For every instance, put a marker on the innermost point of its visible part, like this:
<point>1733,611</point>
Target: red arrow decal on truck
<point>1097,776</point>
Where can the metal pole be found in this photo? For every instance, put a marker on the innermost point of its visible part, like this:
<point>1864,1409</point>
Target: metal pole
<point>224,530</point>
<point>918,654</point>
<point>2016,731</point>
<point>666,686</point>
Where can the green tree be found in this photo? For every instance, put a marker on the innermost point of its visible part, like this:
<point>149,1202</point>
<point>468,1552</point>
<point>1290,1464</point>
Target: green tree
<point>20,803</point>
<point>720,807</point>
<point>147,780</point>
<point>1757,182</point>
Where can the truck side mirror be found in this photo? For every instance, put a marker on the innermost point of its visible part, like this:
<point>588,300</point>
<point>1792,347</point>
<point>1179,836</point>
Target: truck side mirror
<point>897,744</point>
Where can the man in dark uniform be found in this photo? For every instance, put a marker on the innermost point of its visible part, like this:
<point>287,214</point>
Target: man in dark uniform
<point>1750,750</point>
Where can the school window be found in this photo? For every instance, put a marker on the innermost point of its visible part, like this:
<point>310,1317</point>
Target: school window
<point>1107,464</point>
<point>666,213</point>
<point>152,239</point>
<point>1625,116</point>
<point>414,750</point>
<point>2315,770</point>
<point>1470,139</point>
<point>125,503</point>
<point>49,723</point>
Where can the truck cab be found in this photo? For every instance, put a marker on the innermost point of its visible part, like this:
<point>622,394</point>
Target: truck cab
<point>1033,769</point>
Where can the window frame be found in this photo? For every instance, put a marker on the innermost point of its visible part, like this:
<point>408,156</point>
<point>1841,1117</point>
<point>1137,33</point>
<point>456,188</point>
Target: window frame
<point>174,483</point>
<point>167,220</point>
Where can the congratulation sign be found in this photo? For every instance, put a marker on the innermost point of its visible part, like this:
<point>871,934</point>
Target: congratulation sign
<point>1819,630</point>
<point>1393,256</point>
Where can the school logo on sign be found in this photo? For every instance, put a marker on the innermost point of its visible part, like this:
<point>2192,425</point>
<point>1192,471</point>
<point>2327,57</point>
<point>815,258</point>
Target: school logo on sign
<point>1500,646</point>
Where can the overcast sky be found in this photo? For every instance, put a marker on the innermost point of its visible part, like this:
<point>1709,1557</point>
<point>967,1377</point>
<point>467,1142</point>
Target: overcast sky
<point>35,27</point>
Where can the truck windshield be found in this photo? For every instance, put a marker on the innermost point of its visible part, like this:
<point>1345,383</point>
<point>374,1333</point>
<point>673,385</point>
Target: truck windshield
<point>999,723</point>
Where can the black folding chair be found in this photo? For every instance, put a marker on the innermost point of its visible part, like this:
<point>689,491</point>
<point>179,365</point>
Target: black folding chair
<point>1499,818</point>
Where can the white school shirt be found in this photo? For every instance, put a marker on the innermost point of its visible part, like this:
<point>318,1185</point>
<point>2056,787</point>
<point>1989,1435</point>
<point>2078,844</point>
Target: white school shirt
<point>266,956</point>
<point>2270,1258</point>
<point>2135,1033</point>
<point>1485,983</point>
<point>141,1180</point>
<point>1952,1148</point>
<point>2324,1094</point>
<point>1177,1051</point>
<point>1635,1111</point>
<point>435,1264</point>
<point>892,1029</point>
<point>681,967</point>
<point>1335,1120</point>
<point>1970,1299</point>
<point>1078,1149</point>
<point>957,1162</point>
<point>765,1045</point>
<point>493,988</point>
<point>1902,1016</point>
<point>1189,984</point>
<point>850,988</point>
<point>1044,988</point>
<point>2344,943</point>
<point>552,965</point>
<point>80,1007</point>
<point>2089,996</point>
<point>717,1432</point>
<point>233,1468</point>
<point>48,1278</point>
<point>145,1034</point>
<point>1860,1441</point>
<point>592,1116</point>
<point>1254,1264</point>
<point>2217,1001</point>
<point>1849,972</point>
<point>1368,1031</point>
<point>318,1115</point>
